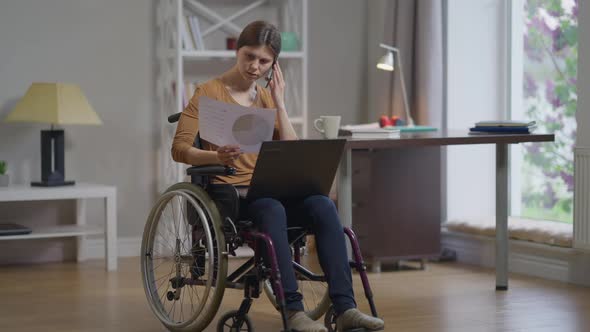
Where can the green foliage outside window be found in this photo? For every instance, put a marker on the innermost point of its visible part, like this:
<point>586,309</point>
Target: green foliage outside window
<point>550,98</point>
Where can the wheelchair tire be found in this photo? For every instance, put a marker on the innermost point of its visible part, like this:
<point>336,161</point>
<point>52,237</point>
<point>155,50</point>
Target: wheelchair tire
<point>316,300</point>
<point>228,319</point>
<point>194,254</point>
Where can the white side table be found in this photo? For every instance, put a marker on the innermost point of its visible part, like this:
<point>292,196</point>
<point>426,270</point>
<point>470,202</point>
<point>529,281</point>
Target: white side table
<point>80,192</point>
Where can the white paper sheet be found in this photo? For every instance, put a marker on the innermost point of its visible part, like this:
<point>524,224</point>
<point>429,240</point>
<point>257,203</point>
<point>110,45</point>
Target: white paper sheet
<point>230,124</point>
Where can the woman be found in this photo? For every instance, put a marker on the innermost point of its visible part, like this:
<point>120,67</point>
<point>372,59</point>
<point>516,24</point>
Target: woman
<point>258,47</point>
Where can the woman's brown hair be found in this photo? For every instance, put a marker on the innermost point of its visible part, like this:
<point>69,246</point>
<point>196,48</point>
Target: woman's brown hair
<point>261,33</point>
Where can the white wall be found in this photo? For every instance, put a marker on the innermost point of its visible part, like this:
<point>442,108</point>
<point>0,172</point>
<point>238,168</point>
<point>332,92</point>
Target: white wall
<point>583,110</point>
<point>106,47</point>
<point>475,93</point>
<point>376,16</point>
<point>337,60</point>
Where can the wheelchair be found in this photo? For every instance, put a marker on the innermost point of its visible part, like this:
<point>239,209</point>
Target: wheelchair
<point>186,242</point>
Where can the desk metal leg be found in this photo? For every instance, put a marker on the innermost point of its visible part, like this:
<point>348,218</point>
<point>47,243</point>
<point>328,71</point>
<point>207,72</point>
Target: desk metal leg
<point>502,197</point>
<point>81,221</point>
<point>111,232</point>
<point>345,192</point>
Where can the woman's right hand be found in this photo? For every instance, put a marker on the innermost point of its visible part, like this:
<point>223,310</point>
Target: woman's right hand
<point>227,154</point>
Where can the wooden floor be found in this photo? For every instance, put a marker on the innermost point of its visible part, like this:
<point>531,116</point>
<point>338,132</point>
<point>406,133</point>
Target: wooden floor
<point>444,297</point>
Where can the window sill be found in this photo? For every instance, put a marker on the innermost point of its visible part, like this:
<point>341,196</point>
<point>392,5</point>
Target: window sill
<point>537,231</point>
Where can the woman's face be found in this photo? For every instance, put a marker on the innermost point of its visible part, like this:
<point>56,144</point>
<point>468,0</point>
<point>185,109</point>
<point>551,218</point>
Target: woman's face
<point>254,61</point>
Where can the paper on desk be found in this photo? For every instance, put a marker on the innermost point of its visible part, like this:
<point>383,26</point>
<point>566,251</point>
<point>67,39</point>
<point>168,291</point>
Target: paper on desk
<point>230,124</point>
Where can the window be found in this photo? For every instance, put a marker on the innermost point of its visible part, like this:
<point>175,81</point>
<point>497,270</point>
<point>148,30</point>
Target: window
<point>544,47</point>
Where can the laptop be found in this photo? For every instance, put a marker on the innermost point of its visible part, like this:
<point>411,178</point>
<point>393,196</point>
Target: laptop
<point>295,169</point>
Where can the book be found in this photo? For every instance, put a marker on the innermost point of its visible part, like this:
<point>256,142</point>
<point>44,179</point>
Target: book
<point>196,32</point>
<point>187,41</point>
<point>375,125</point>
<point>500,130</point>
<point>371,133</point>
<point>507,123</point>
<point>520,130</point>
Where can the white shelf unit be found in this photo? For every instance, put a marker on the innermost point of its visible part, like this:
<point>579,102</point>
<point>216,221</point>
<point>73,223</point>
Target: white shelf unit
<point>219,19</point>
<point>80,192</point>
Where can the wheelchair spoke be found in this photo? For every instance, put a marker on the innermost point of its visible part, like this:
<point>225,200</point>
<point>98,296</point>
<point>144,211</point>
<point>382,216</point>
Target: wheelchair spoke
<point>163,281</point>
<point>182,305</point>
<point>184,221</point>
<point>164,276</point>
<point>166,239</point>
<point>164,260</point>
<point>171,250</point>
<point>182,232</point>
<point>190,293</point>
<point>169,218</point>
<point>166,228</point>
<point>172,310</point>
<point>167,280</point>
<point>174,215</point>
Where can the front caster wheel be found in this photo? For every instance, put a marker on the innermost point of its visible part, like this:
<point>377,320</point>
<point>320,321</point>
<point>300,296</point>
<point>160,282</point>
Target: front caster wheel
<point>230,322</point>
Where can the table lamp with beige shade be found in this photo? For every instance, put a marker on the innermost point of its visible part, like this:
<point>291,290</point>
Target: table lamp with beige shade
<point>56,104</point>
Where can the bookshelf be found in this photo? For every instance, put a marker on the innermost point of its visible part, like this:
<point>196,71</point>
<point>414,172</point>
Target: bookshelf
<point>187,56</point>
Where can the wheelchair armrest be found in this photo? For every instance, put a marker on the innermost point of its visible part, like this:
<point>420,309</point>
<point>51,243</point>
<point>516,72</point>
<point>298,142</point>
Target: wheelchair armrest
<point>207,170</point>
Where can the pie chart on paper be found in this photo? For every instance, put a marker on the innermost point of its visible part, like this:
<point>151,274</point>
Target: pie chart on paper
<point>250,129</point>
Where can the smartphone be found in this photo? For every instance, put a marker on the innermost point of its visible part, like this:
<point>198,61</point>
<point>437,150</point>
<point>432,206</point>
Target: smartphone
<point>270,72</point>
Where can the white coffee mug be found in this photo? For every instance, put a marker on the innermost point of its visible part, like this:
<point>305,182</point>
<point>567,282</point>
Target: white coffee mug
<point>328,125</point>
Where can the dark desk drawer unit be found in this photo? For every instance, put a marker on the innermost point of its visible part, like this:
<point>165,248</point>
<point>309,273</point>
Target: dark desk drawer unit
<point>396,203</point>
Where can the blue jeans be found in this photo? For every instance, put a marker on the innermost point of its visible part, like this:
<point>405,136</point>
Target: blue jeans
<point>318,212</point>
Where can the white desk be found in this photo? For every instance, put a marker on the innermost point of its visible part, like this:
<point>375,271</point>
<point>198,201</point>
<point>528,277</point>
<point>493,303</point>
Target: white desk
<point>80,192</point>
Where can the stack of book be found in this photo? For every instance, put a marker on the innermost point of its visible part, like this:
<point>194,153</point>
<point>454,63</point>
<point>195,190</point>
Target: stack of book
<point>502,127</point>
<point>369,132</point>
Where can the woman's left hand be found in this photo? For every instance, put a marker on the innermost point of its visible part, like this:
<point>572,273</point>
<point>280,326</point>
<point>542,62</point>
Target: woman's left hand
<point>277,86</point>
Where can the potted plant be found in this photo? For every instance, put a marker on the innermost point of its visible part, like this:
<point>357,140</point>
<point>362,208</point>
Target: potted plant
<point>4,179</point>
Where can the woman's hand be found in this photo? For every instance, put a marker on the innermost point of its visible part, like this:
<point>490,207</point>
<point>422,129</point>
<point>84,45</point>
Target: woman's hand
<point>227,154</point>
<point>277,86</point>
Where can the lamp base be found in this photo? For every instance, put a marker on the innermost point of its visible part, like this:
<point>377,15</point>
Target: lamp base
<point>52,183</point>
<point>52,160</point>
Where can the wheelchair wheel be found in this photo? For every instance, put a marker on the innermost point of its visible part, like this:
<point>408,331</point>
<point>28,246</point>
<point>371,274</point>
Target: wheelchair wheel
<point>229,323</point>
<point>183,263</point>
<point>316,300</point>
